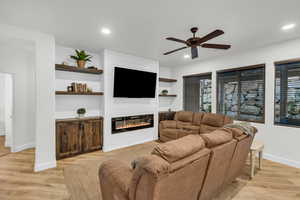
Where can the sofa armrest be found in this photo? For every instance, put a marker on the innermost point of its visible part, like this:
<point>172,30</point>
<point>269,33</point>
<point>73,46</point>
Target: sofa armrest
<point>115,177</point>
<point>168,124</point>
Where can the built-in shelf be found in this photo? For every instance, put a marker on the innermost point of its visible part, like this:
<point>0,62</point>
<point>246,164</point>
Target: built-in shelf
<point>169,80</point>
<point>78,119</point>
<point>77,69</point>
<point>168,95</point>
<point>78,93</point>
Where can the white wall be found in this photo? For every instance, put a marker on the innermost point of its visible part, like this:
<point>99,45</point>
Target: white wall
<point>66,105</point>
<point>166,103</point>
<point>44,98</point>
<point>19,60</point>
<point>2,105</point>
<point>8,110</point>
<point>116,107</point>
<point>282,143</point>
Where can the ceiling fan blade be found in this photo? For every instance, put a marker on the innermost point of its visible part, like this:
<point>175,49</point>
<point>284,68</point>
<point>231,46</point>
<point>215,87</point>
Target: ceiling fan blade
<point>210,36</point>
<point>175,50</point>
<point>216,46</point>
<point>194,52</point>
<point>176,40</point>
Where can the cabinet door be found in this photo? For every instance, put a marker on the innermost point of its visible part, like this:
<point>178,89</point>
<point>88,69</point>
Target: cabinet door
<point>67,139</point>
<point>92,135</point>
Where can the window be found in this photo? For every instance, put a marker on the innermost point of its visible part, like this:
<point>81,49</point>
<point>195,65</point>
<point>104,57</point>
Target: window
<point>241,93</point>
<point>197,93</point>
<point>287,93</point>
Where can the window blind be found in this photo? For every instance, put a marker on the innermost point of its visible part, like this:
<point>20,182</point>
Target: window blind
<point>241,93</point>
<point>287,94</point>
<point>197,93</point>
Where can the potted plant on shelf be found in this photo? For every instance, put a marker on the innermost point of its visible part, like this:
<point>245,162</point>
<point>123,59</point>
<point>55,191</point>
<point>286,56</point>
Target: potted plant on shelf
<point>164,92</point>
<point>81,58</point>
<point>81,112</point>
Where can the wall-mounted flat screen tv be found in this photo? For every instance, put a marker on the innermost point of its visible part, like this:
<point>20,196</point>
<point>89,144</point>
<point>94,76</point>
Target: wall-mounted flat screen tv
<point>130,83</point>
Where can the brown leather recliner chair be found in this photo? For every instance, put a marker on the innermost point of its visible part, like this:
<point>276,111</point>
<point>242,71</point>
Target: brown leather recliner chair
<point>175,170</point>
<point>187,123</point>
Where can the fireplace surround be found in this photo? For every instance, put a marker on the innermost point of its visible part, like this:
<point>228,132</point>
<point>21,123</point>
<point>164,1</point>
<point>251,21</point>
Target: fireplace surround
<point>130,123</point>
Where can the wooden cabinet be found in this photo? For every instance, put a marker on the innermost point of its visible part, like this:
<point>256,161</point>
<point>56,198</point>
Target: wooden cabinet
<point>76,136</point>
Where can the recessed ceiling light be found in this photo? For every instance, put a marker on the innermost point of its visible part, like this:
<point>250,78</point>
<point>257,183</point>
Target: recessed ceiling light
<point>105,31</point>
<point>186,56</point>
<point>288,27</point>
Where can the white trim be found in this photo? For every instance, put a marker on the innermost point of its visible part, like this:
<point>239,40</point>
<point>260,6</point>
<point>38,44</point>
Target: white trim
<point>23,147</point>
<point>282,160</point>
<point>44,166</point>
<point>2,131</point>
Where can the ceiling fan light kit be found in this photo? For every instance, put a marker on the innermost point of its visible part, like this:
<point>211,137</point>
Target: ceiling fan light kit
<point>195,42</point>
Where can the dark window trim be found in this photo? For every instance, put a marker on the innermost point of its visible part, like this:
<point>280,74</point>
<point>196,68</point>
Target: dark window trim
<point>241,69</point>
<point>276,63</point>
<point>196,75</point>
<point>289,61</point>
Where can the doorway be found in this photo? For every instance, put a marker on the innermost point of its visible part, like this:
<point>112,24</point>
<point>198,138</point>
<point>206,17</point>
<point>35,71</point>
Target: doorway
<point>6,113</point>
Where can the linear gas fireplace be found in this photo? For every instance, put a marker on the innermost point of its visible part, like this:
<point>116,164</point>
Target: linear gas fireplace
<point>130,123</point>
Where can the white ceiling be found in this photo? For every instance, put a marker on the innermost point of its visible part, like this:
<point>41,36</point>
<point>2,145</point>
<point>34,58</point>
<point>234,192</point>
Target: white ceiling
<point>140,26</point>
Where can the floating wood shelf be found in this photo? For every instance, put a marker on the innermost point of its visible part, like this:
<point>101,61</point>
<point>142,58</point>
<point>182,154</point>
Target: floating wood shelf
<point>77,69</point>
<point>78,119</point>
<point>168,95</point>
<point>169,80</point>
<point>78,93</point>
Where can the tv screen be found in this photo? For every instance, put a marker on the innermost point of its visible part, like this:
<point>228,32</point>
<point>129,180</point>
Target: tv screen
<point>134,84</point>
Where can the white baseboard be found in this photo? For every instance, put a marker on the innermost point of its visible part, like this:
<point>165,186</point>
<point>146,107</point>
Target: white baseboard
<point>281,160</point>
<point>44,166</point>
<point>23,147</point>
<point>2,131</point>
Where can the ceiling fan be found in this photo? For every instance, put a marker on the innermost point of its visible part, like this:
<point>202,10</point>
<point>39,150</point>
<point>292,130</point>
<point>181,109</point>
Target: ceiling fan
<point>194,42</point>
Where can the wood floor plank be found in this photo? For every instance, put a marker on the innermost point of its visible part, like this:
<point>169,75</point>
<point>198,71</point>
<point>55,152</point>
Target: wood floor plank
<point>19,182</point>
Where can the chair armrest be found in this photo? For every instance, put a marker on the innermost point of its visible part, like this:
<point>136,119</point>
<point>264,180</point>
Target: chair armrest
<point>115,177</point>
<point>168,124</point>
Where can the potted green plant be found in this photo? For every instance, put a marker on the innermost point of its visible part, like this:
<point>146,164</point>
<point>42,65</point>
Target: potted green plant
<point>164,92</point>
<point>81,58</point>
<point>81,112</point>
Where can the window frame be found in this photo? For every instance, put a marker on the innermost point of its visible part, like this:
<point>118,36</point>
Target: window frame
<point>190,76</point>
<point>239,70</point>
<point>276,63</point>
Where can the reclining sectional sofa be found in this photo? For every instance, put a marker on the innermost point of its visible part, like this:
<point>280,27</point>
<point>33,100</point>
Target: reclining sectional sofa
<point>186,123</point>
<point>194,167</point>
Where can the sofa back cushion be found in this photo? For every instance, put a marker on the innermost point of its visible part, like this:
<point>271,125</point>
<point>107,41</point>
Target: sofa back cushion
<point>211,119</point>
<point>197,118</point>
<point>178,149</point>
<point>184,116</point>
<point>160,180</point>
<point>217,137</point>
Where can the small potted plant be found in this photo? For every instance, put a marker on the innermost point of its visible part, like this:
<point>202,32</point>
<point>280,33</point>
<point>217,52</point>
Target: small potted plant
<point>81,58</point>
<point>164,92</point>
<point>81,112</point>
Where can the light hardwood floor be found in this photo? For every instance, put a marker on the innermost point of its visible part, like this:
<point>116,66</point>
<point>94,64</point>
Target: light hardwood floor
<point>19,182</point>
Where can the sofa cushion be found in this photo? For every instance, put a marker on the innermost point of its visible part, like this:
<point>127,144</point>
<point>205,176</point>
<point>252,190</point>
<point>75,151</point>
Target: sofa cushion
<point>180,148</point>
<point>183,124</point>
<point>188,130</point>
<point>169,124</point>
<point>184,116</point>
<point>212,119</point>
<point>197,118</point>
<point>217,137</point>
<point>207,129</point>
<point>170,133</point>
<point>236,132</point>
